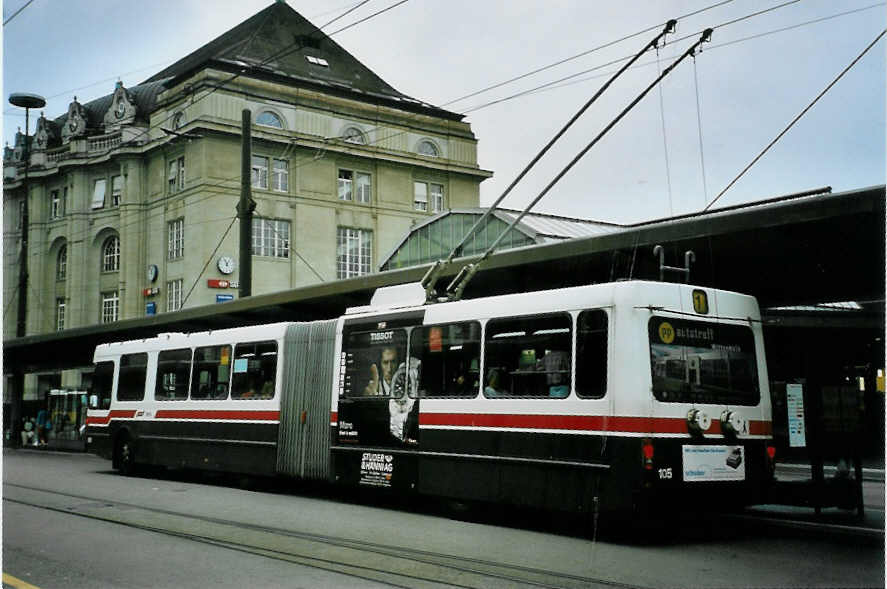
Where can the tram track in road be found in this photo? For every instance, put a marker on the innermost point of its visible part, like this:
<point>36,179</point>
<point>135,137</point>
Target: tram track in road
<point>397,566</point>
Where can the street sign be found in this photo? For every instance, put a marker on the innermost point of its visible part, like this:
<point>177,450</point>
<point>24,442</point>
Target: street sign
<point>224,298</point>
<point>151,308</point>
<point>794,402</point>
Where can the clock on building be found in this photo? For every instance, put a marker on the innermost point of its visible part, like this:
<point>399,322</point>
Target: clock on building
<point>152,272</point>
<point>121,109</point>
<point>226,264</point>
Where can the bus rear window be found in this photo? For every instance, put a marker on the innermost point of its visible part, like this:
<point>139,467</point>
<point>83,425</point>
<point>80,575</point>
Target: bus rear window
<point>700,362</point>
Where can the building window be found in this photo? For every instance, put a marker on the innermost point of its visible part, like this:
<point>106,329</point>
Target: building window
<point>175,247</point>
<point>111,255</point>
<point>178,120</point>
<point>428,148</point>
<point>98,194</point>
<point>59,314</point>
<point>425,191</point>
<point>354,252</point>
<point>176,177</point>
<point>280,176</point>
<point>260,172</point>
<point>116,190</point>
<point>110,306</point>
<point>317,61</point>
<point>61,264</point>
<point>355,186</point>
<point>354,135</point>
<point>271,237</point>
<point>56,204</point>
<point>174,295</point>
<point>269,119</point>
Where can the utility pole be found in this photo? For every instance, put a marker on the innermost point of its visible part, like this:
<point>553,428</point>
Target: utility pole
<point>26,101</point>
<point>245,207</point>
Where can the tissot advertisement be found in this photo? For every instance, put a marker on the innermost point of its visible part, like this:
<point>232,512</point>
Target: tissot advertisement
<point>378,402</point>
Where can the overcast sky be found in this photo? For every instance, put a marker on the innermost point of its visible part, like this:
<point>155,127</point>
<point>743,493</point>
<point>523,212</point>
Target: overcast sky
<point>440,50</point>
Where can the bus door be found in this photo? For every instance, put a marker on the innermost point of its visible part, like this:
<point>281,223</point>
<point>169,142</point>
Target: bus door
<point>378,407</point>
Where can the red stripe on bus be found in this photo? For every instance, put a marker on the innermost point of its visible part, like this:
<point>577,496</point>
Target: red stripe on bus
<point>652,425</point>
<point>219,414</point>
<point>120,413</point>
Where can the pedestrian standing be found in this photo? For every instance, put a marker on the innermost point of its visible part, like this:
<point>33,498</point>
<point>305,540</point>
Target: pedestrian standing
<point>42,424</point>
<point>27,431</point>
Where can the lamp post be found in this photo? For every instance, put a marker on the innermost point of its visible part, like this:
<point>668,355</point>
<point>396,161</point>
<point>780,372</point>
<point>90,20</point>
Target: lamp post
<point>26,101</point>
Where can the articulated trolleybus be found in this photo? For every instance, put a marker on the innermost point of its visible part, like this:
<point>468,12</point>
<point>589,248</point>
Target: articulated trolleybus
<point>615,396</point>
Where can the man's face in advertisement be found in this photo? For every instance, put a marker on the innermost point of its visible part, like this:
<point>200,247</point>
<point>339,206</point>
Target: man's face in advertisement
<point>389,363</point>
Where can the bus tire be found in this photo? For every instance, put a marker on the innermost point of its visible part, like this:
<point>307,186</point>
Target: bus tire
<point>124,455</point>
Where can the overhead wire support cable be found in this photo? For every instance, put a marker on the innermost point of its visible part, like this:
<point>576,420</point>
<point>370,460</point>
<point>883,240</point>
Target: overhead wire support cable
<point>457,286</point>
<point>795,120</point>
<point>430,278</point>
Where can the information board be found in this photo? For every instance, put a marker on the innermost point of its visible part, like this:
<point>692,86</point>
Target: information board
<point>794,402</point>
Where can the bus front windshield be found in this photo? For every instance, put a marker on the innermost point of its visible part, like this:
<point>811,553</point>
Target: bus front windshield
<point>702,362</point>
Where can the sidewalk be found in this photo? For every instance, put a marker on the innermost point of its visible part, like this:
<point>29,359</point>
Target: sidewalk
<point>803,470</point>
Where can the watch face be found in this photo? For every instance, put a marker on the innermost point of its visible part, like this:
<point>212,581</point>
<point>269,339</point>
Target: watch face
<point>226,264</point>
<point>121,108</point>
<point>152,273</point>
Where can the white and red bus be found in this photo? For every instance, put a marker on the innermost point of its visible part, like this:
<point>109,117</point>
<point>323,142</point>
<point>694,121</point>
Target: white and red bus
<point>616,395</point>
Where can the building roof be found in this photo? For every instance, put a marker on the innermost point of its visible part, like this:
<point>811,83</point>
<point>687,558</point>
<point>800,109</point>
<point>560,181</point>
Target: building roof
<point>279,43</point>
<point>434,238</point>
<point>144,95</point>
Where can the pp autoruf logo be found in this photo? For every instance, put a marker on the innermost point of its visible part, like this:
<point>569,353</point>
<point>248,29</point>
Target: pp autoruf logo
<point>666,332</point>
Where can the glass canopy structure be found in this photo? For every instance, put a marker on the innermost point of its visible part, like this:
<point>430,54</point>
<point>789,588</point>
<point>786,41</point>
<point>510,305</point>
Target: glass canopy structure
<point>435,238</point>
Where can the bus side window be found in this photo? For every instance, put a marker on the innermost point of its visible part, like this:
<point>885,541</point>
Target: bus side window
<point>131,383</point>
<point>173,369</point>
<point>450,356</point>
<point>255,369</point>
<point>102,384</point>
<point>210,373</point>
<point>591,354</point>
<point>528,356</point>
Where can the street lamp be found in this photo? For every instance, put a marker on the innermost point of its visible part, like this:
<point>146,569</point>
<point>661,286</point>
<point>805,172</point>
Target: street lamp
<point>26,101</point>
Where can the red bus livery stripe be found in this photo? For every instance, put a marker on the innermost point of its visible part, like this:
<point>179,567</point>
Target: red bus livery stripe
<point>218,415</point>
<point>652,425</point>
<point>119,413</point>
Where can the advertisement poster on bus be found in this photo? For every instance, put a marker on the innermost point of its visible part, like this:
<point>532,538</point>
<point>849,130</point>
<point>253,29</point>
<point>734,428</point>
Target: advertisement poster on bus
<point>713,463</point>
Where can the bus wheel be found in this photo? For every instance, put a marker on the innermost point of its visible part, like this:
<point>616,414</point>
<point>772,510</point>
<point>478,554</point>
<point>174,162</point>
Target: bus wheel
<point>125,456</point>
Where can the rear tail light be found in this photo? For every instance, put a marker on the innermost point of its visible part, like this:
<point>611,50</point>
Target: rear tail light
<point>647,450</point>
<point>771,452</point>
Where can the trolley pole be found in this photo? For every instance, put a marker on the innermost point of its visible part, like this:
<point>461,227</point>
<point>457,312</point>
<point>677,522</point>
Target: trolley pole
<point>245,207</point>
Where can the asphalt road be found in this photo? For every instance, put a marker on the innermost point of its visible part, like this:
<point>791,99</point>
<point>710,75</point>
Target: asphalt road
<point>69,521</point>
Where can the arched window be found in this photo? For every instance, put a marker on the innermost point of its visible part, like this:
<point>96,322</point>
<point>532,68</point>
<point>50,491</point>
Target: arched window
<point>428,148</point>
<point>111,255</point>
<point>61,264</point>
<point>354,135</point>
<point>269,119</point>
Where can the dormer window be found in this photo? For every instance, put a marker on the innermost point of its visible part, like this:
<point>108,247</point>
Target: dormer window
<point>269,119</point>
<point>317,61</point>
<point>428,148</point>
<point>354,135</point>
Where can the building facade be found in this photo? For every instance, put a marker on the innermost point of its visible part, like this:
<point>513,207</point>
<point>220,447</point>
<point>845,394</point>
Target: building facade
<point>132,197</point>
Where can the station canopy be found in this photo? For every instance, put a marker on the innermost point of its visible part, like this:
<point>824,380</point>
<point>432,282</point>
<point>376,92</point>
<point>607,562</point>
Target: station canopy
<point>435,238</point>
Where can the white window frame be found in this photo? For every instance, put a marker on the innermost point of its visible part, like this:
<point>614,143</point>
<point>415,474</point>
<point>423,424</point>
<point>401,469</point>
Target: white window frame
<point>110,310</point>
<point>60,314</point>
<point>354,252</point>
<point>280,172</point>
<point>55,204</point>
<point>176,175</point>
<point>61,263</point>
<point>99,188</point>
<point>174,295</point>
<point>111,254</point>
<point>429,198</point>
<point>345,185</point>
<point>116,190</point>
<point>271,237</point>
<point>354,135</point>
<point>259,175</point>
<point>355,186</point>
<point>175,239</point>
